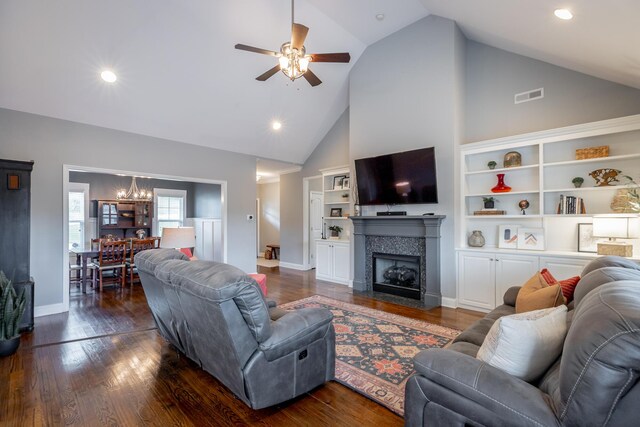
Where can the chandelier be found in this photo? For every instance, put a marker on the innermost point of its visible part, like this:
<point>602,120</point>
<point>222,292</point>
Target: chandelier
<point>134,192</point>
<point>293,62</point>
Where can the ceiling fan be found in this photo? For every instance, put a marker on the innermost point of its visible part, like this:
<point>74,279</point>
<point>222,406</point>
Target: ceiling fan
<point>293,59</point>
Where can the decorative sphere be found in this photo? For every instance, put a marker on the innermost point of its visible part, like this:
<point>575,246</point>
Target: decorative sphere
<point>523,204</point>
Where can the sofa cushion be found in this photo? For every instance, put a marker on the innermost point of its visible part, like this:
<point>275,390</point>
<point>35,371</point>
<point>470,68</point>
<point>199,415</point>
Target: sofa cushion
<point>609,261</point>
<point>526,344</point>
<point>150,259</point>
<point>600,277</point>
<point>568,286</point>
<point>536,294</point>
<point>465,348</point>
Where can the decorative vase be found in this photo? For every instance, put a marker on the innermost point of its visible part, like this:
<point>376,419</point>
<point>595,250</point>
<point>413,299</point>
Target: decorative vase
<point>501,187</point>
<point>512,159</point>
<point>335,234</point>
<point>8,347</point>
<point>489,205</point>
<point>356,210</point>
<point>476,239</point>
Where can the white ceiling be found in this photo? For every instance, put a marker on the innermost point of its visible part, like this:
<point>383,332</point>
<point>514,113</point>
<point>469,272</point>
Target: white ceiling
<point>180,78</point>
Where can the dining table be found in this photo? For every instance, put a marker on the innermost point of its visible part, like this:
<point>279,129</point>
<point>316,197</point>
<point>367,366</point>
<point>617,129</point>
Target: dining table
<point>83,255</point>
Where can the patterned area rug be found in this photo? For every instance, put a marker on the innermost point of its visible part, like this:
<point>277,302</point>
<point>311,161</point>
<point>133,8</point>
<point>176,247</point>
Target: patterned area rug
<point>374,349</point>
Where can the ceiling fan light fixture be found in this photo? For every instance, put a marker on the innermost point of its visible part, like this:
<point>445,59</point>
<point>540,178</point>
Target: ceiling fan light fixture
<point>293,62</point>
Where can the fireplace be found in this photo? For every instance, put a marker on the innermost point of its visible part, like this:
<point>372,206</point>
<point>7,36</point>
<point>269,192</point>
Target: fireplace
<point>397,275</point>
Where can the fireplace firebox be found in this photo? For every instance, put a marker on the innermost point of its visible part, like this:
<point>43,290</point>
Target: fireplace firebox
<point>397,275</point>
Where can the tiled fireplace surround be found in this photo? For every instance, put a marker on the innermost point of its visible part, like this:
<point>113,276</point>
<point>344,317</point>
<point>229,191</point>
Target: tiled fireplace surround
<point>399,235</point>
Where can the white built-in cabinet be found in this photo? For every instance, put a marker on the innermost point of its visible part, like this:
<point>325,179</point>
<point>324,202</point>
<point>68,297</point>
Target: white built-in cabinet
<point>333,261</point>
<point>208,233</point>
<point>548,166</point>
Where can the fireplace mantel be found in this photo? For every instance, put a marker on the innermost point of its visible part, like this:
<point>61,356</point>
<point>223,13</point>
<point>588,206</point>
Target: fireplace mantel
<point>420,227</point>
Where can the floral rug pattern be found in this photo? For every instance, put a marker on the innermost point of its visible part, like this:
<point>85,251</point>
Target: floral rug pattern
<point>374,349</point>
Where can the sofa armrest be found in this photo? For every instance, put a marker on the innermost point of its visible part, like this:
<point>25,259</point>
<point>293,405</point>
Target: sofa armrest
<point>486,385</point>
<point>511,295</point>
<point>295,330</point>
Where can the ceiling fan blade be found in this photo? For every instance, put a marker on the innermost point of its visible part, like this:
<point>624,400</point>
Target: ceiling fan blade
<point>264,76</point>
<point>298,35</point>
<point>256,50</point>
<point>311,78</point>
<point>331,57</point>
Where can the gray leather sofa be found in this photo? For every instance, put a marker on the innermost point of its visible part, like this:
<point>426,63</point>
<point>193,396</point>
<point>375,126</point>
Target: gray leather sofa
<point>217,316</point>
<point>594,382</point>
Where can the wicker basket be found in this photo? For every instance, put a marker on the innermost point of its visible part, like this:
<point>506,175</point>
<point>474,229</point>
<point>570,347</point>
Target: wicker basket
<point>592,152</point>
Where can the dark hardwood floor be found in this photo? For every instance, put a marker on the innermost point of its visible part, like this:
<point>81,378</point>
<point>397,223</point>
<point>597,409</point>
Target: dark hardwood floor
<point>103,363</point>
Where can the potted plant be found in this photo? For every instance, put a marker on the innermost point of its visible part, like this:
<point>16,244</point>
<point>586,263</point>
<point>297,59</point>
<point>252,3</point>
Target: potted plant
<point>12,306</point>
<point>492,164</point>
<point>577,181</point>
<point>335,231</point>
<point>489,202</point>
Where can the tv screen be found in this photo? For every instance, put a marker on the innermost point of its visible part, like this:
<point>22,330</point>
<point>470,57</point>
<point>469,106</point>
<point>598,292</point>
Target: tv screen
<point>400,178</point>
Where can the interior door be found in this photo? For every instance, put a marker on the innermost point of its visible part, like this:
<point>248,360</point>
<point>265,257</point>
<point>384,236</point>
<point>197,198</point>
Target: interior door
<point>315,224</point>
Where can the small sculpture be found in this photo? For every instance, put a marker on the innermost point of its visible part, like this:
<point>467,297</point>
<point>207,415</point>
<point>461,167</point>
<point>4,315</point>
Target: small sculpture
<point>523,204</point>
<point>512,159</point>
<point>577,181</point>
<point>605,176</point>
<point>492,164</point>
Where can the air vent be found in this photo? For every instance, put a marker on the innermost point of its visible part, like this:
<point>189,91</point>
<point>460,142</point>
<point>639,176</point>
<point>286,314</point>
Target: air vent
<point>530,95</point>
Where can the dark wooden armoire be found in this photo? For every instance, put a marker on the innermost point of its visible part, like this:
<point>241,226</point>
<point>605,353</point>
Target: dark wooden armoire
<point>15,226</point>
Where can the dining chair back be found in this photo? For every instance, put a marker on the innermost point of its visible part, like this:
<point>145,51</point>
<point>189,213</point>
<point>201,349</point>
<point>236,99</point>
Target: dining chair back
<point>138,245</point>
<point>111,257</point>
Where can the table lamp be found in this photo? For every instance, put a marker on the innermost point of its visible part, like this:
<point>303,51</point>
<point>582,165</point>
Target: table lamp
<point>616,227</point>
<point>180,238</point>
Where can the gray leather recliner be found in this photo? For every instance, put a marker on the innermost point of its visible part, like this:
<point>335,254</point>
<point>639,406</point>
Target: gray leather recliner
<point>595,381</point>
<point>217,316</point>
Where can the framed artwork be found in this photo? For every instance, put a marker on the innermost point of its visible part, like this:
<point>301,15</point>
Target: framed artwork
<point>508,236</point>
<point>345,183</point>
<point>336,212</point>
<point>586,241</point>
<point>337,182</point>
<point>531,239</point>
<point>13,181</point>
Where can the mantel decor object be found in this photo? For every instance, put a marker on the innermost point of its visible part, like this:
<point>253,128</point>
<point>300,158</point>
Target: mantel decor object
<point>512,159</point>
<point>476,239</point>
<point>605,176</point>
<point>501,187</point>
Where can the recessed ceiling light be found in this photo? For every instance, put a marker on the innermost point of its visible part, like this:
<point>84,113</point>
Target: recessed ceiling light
<point>108,76</point>
<point>380,16</point>
<point>276,125</point>
<point>563,14</point>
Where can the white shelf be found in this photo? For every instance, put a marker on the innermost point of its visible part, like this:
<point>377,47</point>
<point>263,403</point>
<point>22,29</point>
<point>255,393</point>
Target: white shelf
<point>581,189</point>
<point>338,190</point>
<point>337,203</point>
<point>594,160</point>
<point>536,216</point>
<point>337,218</point>
<point>502,194</point>
<point>515,168</point>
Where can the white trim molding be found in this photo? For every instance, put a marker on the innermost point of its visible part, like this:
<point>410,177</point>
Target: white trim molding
<point>47,310</point>
<point>293,266</point>
<point>449,302</point>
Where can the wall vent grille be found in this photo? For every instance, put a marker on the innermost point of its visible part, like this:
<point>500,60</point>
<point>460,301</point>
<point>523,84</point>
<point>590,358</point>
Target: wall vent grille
<point>530,95</point>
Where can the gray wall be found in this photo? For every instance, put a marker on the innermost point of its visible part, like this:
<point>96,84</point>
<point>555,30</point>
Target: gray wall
<point>333,150</point>
<point>269,215</point>
<point>51,143</point>
<point>395,108</point>
<point>494,76</point>
<point>207,200</point>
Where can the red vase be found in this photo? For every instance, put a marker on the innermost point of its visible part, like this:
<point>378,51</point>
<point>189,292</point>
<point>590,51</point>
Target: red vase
<point>501,187</point>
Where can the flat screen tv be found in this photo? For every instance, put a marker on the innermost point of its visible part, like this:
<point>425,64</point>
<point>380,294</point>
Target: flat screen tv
<point>399,178</point>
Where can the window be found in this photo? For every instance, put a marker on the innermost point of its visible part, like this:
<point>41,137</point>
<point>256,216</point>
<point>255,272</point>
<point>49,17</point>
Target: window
<point>170,208</point>
<point>78,214</point>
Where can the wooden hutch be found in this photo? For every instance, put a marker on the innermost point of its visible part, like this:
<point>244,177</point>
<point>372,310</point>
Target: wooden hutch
<point>123,218</point>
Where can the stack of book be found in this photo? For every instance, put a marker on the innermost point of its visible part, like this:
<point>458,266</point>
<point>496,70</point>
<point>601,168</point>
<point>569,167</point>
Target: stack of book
<point>571,205</point>
<point>490,212</point>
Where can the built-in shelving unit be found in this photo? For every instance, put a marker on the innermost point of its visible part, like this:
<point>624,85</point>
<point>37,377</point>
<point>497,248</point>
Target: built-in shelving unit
<point>336,190</point>
<point>548,167</point>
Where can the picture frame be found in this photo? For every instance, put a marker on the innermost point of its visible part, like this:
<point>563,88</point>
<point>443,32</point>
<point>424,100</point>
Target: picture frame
<point>531,239</point>
<point>345,183</point>
<point>337,182</point>
<point>13,181</point>
<point>586,241</point>
<point>508,236</point>
<point>335,212</point>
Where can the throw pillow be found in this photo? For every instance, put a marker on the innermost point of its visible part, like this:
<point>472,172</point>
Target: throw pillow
<point>537,294</point>
<point>525,345</point>
<point>568,286</point>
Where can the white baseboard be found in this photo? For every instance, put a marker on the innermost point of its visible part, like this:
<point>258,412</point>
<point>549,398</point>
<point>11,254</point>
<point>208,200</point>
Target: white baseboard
<point>292,266</point>
<point>351,284</point>
<point>46,310</point>
<point>450,302</point>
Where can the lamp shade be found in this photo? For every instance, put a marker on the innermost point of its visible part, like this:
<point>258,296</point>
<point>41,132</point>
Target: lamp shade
<point>177,238</point>
<point>616,226</point>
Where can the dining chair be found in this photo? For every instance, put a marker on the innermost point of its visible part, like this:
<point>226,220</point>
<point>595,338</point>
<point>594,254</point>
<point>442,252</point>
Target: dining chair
<point>111,257</point>
<point>138,245</point>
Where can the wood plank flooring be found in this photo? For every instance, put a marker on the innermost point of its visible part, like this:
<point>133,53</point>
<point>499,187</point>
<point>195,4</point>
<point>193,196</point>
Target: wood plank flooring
<point>103,364</point>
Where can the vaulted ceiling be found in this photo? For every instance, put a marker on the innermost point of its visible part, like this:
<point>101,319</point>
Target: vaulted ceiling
<point>180,78</point>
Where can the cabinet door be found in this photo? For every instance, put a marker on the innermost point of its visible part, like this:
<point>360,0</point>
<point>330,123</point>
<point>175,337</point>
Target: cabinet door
<point>323,260</point>
<point>563,268</point>
<point>341,262</point>
<point>476,280</point>
<point>513,270</point>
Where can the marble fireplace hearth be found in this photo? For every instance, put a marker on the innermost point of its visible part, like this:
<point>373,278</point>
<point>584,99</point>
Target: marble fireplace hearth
<point>417,236</point>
